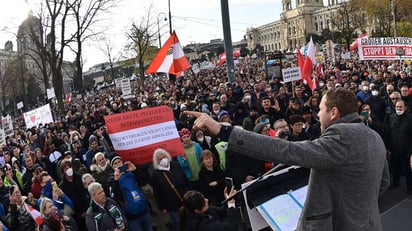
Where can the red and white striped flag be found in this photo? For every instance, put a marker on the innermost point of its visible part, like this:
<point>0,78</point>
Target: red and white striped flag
<point>308,65</point>
<point>36,215</point>
<point>222,59</point>
<point>354,44</point>
<point>170,58</point>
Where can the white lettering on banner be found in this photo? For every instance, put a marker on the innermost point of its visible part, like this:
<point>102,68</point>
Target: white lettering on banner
<point>139,137</point>
<point>291,74</point>
<point>384,48</point>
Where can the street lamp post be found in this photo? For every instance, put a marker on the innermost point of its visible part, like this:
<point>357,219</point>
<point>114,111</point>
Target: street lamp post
<point>158,27</point>
<point>170,18</point>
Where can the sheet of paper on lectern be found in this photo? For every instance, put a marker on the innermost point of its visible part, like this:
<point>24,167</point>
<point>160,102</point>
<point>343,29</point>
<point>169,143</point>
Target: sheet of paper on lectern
<point>282,212</point>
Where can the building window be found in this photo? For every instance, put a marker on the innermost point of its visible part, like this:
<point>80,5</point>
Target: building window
<point>316,26</point>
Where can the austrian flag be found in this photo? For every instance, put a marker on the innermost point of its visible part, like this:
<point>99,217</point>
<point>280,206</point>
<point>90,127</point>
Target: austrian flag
<point>170,58</point>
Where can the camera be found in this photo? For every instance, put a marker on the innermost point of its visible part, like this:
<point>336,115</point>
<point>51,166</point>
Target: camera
<point>283,134</point>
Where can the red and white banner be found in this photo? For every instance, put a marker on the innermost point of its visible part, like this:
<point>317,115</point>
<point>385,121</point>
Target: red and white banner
<point>136,134</point>
<point>387,48</point>
<point>170,58</point>
<point>222,56</point>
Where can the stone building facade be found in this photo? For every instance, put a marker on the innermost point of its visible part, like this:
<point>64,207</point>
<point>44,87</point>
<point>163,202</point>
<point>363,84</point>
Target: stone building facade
<point>26,54</point>
<point>298,18</point>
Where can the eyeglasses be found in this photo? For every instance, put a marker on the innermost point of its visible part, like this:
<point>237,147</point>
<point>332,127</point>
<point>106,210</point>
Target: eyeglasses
<point>283,126</point>
<point>394,98</point>
<point>265,130</point>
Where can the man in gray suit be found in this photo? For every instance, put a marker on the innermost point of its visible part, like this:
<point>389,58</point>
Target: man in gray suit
<point>348,164</point>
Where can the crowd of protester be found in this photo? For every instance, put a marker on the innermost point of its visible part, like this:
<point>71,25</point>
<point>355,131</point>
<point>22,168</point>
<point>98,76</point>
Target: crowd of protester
<point>70,172</point>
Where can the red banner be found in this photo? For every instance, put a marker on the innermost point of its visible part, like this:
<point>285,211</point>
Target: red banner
<point>136,134</point>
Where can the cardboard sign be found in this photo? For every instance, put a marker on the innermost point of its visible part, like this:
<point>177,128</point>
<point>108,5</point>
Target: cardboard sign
<point>291,74</point>
<point>40,115</point>
<point>136,134</point>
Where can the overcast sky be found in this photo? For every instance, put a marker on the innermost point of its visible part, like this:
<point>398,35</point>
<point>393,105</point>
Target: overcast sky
<point>193,20</point>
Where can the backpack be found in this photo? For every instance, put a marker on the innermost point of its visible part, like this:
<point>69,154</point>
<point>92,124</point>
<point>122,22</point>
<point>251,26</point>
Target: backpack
<point>135,202</point>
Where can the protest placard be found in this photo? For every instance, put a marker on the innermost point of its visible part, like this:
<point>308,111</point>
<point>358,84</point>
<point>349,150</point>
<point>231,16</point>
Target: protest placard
<point>136,134</point>
<point>7,125</point>
<point>291,74</point>
<point>40,115</point>
<point>386,48</point>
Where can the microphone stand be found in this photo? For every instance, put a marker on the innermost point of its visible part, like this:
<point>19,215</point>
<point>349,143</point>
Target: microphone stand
<point>254,181</point>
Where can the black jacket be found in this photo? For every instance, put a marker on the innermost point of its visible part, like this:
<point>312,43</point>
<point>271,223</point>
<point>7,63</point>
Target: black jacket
<point>165,196</point>
<point>98,218</point>
<point>215,218</point>
<point>399,134</point>
<point>213,193</point>
<point>19,219</point>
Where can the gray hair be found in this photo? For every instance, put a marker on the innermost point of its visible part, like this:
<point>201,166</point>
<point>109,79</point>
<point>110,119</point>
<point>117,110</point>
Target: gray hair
<point>277,122</point>
<point>94,187</point>
<point>157,153</point>
<point>85,176</point>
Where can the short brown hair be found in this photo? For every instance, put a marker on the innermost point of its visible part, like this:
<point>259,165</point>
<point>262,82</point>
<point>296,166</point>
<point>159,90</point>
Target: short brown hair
<point>344,100</point>
<point>206,153</point>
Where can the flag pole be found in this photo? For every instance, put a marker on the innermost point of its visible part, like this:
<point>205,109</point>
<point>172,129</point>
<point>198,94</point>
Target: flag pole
<point>227,40</point>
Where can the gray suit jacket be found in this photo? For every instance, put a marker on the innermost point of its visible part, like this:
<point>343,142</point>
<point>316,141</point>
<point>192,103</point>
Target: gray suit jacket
<point>348,173</point>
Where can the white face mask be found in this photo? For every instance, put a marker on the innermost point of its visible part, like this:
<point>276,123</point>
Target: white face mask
<point>69,172</point>
<point>164,162</point>
<point>399,113</point>
<point>201,139</point>
<point>321,84</point>
<point>375,93</point>
<point>248,97</point>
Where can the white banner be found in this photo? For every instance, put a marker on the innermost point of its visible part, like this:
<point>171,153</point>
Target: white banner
<point>126,87</point>
<point>387,48</point>
<point>7,125</point>
<point>291,74</point>
<point>40,115</point>
<point>50,93</point>
<point>20,105</point>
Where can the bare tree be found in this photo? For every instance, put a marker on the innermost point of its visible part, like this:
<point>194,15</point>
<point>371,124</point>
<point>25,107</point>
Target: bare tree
<point>143,36</point>
<point>86,14</point>
<point>348,18</point>
<point>108,52</point>
<point>379,14</point>
<point>57,12</point>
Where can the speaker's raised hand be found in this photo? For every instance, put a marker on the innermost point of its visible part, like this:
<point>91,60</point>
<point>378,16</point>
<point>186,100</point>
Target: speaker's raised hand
<point>204,122</point>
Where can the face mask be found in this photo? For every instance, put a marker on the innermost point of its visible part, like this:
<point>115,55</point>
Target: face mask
<point>365,88</point>
<point>164,162</point>
<point>399,113</point>
<point>200,139</point>
<point>248,97</point>
<point>76,138</point>
<point>375,93</point>
<point>321,84</point>
<point>69,172</point>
